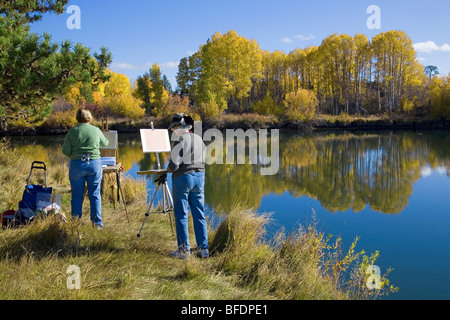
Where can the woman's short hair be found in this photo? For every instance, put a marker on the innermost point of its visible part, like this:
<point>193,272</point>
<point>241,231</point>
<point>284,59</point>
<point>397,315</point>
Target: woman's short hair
<point>84,116</point>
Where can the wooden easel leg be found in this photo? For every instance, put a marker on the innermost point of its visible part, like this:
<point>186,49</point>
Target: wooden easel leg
<point>112,195</point>
<point>123,199</point>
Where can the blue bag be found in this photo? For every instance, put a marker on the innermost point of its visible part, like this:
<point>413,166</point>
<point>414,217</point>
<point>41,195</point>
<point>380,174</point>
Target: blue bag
<point>27,206</point>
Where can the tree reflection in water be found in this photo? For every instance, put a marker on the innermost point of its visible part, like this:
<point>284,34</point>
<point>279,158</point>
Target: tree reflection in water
<point>342,170</point>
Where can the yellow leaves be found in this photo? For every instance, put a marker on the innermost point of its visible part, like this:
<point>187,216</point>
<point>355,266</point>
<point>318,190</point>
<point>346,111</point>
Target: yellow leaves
<point>114,94</point>
<point>393,50</point>
<point>267,106</point>
<point>97,98</point>
<point>101,89</point>
<point>208,110</point>
<point>440,96</point>
<point>125,106</point>
<point>232,63</point>
<point>301,105</point>
<point>118,98</point>
<point>165,96</point>
<point>348,73</point>
<point>407,105</point>
<point>73,95</point>
<point>119,84</point>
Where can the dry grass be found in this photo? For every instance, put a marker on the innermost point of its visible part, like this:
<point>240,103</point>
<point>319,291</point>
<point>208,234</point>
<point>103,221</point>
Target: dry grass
<point>303,265</point>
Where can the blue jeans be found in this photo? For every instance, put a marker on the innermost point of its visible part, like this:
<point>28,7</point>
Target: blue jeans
<point>90,173</point>
<point>189,192</point>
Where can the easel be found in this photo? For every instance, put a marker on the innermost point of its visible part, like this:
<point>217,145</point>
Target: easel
<point>117,168</point>
<point>167,201</point>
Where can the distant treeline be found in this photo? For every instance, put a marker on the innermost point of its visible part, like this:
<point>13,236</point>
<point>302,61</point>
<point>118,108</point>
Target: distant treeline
<point>345,73</point>
<point>43,83</point>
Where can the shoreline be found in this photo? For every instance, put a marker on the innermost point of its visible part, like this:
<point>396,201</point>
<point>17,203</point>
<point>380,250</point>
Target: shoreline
<point>359,124</point>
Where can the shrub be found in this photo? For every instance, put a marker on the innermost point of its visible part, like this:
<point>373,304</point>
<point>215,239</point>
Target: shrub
<point>211,106</point>
<point>62,119</point>
<point>301,105</point>
<point>125,106</point>
<point>208,110</point>
<point>175,104</point>
<point>240,234</point>
<point>407,105</point>
<point>267,106</point>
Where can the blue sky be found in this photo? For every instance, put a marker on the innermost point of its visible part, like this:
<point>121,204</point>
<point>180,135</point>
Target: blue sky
<point>142,32</point>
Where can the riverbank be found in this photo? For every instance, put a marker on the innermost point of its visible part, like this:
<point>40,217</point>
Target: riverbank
<point>255,121</point>
<point>113,265</point>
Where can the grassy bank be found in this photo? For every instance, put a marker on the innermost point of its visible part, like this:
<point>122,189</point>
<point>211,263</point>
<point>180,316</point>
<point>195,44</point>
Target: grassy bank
<point>255,121</point>
<point>243,265</point>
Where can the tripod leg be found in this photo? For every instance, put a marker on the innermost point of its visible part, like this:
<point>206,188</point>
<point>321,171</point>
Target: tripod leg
<point>163,201</point>
<point>170,197</point>
<point>148,211</point>
<point>170,205</point>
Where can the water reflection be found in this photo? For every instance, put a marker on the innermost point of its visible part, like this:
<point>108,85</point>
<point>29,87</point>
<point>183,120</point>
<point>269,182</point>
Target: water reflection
<point>341,170</point>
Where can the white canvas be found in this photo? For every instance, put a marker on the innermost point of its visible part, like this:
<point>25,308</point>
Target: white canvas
<point>155,140</point>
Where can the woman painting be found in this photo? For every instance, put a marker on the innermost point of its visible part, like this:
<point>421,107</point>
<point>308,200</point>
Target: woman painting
<point>82,146</point>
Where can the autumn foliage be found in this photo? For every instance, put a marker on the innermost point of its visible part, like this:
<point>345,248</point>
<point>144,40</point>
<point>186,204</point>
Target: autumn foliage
<point>301,105</point>
<point>346,74</point>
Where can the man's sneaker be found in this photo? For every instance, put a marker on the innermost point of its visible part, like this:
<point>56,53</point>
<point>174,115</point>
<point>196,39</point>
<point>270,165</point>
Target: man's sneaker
<point>180,254</point>
<point>203,253</point>
<point>98,226</point>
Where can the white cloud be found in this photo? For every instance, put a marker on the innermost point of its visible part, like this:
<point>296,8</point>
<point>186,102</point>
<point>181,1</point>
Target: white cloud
<point>305,38</point>
<point>300,37</point>
<point>124,66</point>
<point>142,67</point>
<point>129,66</point>
<point>429,46</point>
<point>286,40</point>
<point>169,65</point>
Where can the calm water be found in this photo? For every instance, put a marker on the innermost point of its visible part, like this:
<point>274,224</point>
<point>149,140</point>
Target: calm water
<point>390,189</point>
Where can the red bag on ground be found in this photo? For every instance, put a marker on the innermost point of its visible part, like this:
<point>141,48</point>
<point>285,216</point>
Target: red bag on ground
<point>7,216</point>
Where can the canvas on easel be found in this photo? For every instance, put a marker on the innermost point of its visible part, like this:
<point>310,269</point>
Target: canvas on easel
<point>155,140</point>
<point>112,138</point>
<point>110,152</point>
